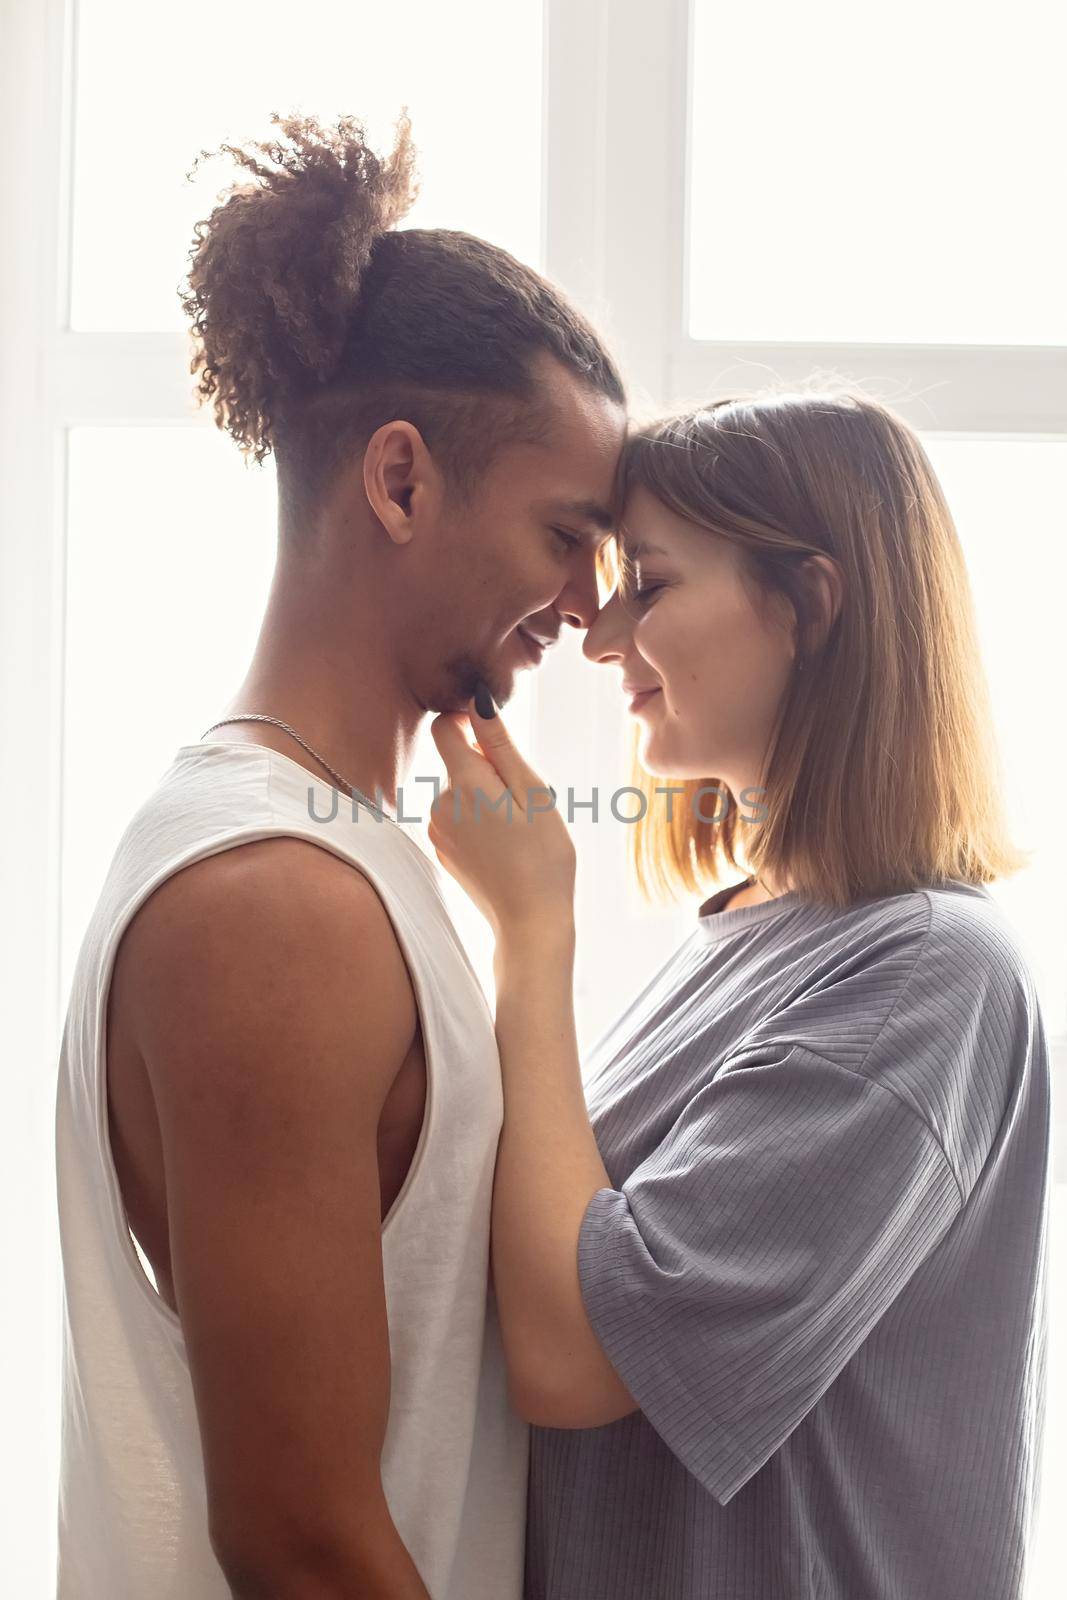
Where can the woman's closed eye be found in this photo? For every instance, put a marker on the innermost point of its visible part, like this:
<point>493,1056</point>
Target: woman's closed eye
<point>631,589</point>
<point>641,594</point>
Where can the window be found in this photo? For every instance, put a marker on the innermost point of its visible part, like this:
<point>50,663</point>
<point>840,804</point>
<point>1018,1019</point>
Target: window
<point>470,76</point>
<point>733,197</point>
<point>1009,501</point>
<point>878,176</point>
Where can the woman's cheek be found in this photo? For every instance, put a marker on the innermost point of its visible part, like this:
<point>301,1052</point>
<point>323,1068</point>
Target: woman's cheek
<point>653,640</point>
<point>663,643</point>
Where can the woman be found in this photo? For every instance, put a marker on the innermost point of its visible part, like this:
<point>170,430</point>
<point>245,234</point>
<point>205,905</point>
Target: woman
<point>774,1298</point>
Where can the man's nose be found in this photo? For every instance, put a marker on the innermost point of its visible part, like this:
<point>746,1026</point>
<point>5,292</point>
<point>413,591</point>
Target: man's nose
<point>579,603</point>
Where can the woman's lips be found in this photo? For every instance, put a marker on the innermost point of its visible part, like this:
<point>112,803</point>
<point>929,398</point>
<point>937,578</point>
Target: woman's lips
<point>640,699</point>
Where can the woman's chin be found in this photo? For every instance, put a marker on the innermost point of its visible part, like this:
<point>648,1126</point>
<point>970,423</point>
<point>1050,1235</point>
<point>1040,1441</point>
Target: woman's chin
<point>653,758</point>
<point>660,761</point>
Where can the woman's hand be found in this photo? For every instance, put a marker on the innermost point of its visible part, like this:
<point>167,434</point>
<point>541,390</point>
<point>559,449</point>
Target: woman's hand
<point>496,829</point>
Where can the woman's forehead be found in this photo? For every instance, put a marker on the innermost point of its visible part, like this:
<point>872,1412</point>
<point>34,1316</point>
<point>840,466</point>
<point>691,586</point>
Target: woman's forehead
<point>646,527</point>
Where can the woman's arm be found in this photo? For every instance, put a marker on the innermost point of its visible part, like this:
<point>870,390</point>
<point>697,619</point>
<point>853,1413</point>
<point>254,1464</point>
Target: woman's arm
<point>517,863</point>
<point>548,1169</point>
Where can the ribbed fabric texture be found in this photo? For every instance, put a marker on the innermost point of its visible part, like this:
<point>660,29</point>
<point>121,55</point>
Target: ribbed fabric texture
<point>821,1268</point>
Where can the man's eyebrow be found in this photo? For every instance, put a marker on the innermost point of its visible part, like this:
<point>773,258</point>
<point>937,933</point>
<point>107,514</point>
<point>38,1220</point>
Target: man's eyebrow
<point>590,511</point>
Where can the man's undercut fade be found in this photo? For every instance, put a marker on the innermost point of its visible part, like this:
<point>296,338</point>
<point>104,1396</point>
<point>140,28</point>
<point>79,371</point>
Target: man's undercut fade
<point>317,321</point>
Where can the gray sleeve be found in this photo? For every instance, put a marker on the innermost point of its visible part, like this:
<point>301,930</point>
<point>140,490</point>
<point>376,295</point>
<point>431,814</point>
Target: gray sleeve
<point>745,1261</point>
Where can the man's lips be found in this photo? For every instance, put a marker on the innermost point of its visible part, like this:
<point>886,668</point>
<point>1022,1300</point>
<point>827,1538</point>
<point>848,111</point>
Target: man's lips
<point>535,645</point>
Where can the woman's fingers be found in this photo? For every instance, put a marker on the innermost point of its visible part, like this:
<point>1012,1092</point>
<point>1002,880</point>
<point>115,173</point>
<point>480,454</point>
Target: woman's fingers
<point>496,745</point>
<point>466,767</point>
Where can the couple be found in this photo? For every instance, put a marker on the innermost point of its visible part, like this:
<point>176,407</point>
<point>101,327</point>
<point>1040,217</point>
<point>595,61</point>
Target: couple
<point>759,1315</point>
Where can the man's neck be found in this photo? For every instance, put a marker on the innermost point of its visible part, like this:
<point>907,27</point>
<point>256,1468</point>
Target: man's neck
<point>325,663</point>
<point>361,724</point>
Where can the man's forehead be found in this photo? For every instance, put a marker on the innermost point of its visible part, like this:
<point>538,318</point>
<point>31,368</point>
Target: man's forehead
<point>594,513</point>
<point>584,445</point>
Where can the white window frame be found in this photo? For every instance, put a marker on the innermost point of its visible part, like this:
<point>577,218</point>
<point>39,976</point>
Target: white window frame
<point>617,90</point>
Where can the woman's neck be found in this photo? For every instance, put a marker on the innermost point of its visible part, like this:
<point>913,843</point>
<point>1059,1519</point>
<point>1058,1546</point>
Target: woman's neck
<point>752,894</point>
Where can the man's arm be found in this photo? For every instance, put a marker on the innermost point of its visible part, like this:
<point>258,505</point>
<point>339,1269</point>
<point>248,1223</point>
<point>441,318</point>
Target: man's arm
<point>273,1009</point>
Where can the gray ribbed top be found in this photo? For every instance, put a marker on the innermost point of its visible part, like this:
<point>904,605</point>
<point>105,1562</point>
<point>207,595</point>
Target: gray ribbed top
<point>821,1268</point>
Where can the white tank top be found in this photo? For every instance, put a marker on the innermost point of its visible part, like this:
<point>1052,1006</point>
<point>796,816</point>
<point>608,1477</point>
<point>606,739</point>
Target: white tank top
<point>132,1507</point>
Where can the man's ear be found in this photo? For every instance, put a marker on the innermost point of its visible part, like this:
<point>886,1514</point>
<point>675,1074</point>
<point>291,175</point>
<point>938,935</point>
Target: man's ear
<point>399,478</point>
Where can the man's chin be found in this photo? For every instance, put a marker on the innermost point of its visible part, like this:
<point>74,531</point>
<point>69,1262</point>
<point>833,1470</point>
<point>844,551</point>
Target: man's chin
<point>465,679</point>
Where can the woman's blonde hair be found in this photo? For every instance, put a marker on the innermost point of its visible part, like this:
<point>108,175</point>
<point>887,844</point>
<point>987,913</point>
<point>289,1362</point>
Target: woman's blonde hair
<point>882,772</point>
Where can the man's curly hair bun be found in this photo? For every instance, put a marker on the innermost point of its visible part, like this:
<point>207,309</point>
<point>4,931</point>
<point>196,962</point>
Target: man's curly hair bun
<point>276,269</point>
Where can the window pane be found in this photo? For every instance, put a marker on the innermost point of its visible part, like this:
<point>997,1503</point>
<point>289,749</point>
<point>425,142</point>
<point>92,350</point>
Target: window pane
<point>157,83</point>
<point>170,552</point>
<point>878,174</point>
<point>1010,507</point>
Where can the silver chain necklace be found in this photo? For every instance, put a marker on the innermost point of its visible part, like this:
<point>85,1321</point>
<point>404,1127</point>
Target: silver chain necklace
<point>350,788</point>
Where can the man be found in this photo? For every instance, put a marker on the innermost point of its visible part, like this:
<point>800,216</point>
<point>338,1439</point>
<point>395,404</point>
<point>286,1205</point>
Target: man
<point>279,1073</point>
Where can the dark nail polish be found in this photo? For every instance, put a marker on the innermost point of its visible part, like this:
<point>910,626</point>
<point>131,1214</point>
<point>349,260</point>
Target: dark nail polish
<point>483,700</point>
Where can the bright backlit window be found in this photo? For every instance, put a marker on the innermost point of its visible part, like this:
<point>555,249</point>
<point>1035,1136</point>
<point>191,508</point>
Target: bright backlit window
<point>878,175</point>
<point>470,77</point>
<point>1010,507</point>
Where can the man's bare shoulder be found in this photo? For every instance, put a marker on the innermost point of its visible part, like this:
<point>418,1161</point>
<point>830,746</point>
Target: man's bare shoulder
<point>259,889</point>
<point>272,1008</point>
<point>278,938</point>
